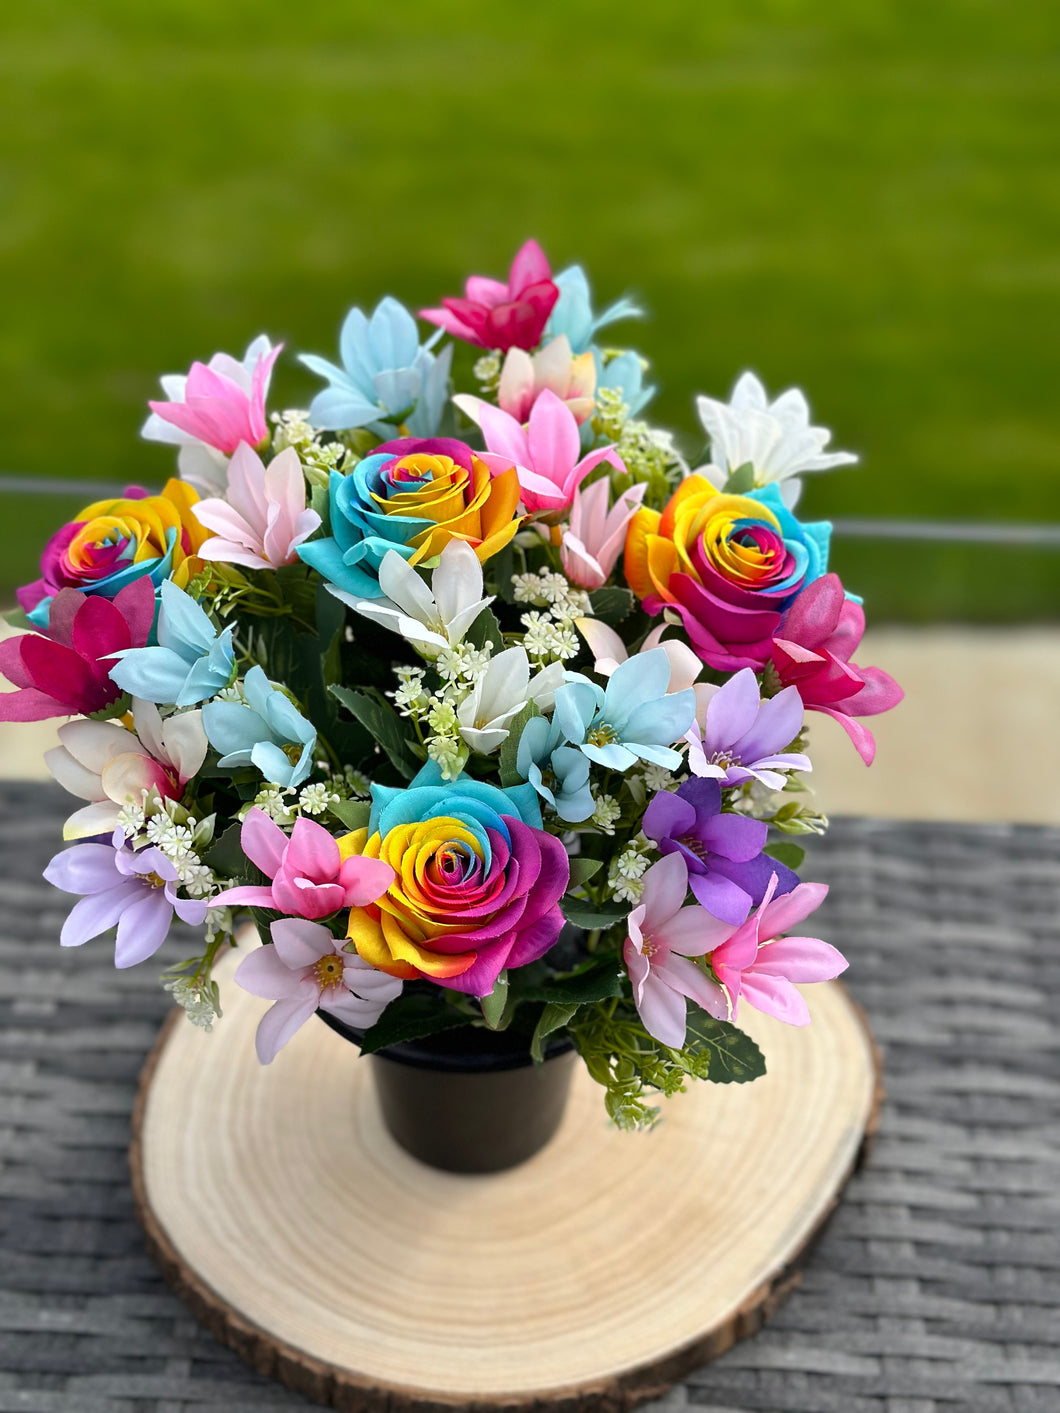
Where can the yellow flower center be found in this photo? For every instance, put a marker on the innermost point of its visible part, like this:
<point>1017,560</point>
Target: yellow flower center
<point>328,971</point>
<point>602,735</point>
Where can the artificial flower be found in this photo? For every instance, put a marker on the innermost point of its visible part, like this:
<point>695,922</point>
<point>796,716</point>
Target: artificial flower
<point>500,693</point>
<point>137,891</point>
<point>477,884</point>
<point>573,315</point>
<point>775,438</point>
<point>728,872</point>
<point>740,737</point>
<point>728,565</point>
<point>558,772</point>
<point>430,618</point>
<point>634,718</point>
<point>595,536</point>
<point>111,543</point>
<point>496,315</point>
<point>305,970</point>
<point>812,651</point>
<point>265,730</point>
<point>546,454</point>
<point>609,651</point>
<point>623,373</point>
<point>663,935</point>
<point>413,497</point>
<point>191,661</point>
<point>68,671</point>
<point>313,875</point>
<point>388,379</point>
<point>111,766</point>
<point>758,965</point>
<point>263,517</point>
<point>524,378</point>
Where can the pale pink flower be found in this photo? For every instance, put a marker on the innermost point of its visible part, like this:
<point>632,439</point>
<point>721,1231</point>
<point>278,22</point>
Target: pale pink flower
<point>263,518</point>
<point>524,377</point>
<point>312,874</point>
<point>663,935</point>
<point>595,536</point>
<point>304,970</point>
<point>610,652</point>
<point>759,965</point>
<point>546,453</point>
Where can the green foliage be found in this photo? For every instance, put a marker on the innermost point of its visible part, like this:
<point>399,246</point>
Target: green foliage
<point>495,1010</point>
<point>352,813</point>
<point>786,853</point>
<point>611,605</point>
<point>741,480</point>
<point>376,714</point>
<point>554,1017</point>
<point>485,629</point>
<point>592,981</point>
<point>582,869</point>
<point>510,746</point>
<point>412,1016</point>
<point>582,912</point>
<point>734,1058</point>
<point>113,710</point>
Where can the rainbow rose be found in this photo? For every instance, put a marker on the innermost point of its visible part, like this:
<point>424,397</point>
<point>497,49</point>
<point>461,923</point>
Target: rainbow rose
<point>112,543</point>
<point>477,881</point>
<point>412,496</point>
<point>728,565</point>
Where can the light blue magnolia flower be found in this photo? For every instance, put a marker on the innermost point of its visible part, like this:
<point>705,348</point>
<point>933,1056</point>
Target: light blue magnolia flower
<point>388,378</point>
<point>633,718</point>
<point>267,731</point>
<point>625,374</point>
<point>191,663</point>
<point>572,313</point>
<point>559,773</point>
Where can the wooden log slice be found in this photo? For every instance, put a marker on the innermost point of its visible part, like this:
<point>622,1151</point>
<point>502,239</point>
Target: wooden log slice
<point>588,1279</point>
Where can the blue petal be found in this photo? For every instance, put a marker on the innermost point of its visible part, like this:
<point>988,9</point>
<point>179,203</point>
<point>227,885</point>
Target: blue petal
<point>393,337</point>
<point>183,625</point>
<point>640,679</point>
<point>339,410</point>
<point>152,674</point>
<point>231,728</point>
<point>576,705</point>
<point>397,390</point>
<point>355,350</point>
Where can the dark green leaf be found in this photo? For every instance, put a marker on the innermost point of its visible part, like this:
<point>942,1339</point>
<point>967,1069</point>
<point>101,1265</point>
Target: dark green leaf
<point>786,853</point>
<point>554,1017</point>
<point>584,913</point>
<point>410,1018</point>
<point>611,605</point>
<point>113,710</point>
<point>375,713</point>
<point>582,869</point>
<point>320,500</point>
<point>352,813</point>
<point>510,747</point>
<point>741,480</point>
<point>226,857</point>
<point>485,629</point>
<point>734,1057</point>
<point>494,1005</point>
<point>596,982</point>
<point>502,566</point>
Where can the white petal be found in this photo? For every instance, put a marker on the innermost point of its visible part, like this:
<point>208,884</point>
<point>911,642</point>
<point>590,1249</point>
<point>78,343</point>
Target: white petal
<point>73,776</point>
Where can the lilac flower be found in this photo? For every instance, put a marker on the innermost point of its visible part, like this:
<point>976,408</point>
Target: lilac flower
<point>743,737</point>
<point>723,852</point>
<point>138,891</point>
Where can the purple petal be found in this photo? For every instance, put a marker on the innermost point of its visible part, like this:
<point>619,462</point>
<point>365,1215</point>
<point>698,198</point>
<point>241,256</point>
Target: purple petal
<point>189,910</point>
<point>86,868</point>
<point>731,712</point>
<point>754,875</point>
<point>668,816</point>
<point>779,722</point>
<point>264,973</point>
<point>733,836</point>
<point>281,1021</point>
<point>300,943</point>
<point>96,913</point>
<point>721,897</point>
<point>663,1011</point>
<point>142,928</point>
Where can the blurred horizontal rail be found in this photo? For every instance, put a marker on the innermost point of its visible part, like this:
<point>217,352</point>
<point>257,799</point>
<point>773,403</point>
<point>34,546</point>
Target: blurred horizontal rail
<point>968,532</point>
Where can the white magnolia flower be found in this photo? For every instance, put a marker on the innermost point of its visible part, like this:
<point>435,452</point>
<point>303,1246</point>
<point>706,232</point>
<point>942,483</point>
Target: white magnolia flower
<point>501,693</point>
<point>775,437</point>
<point>434,618</point>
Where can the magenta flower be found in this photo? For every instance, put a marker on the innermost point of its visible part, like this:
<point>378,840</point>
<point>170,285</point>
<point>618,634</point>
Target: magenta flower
<point>221,403</point>
<point>313,874</point>
<point>305,970</point>
<point>67,673</point>
<point>756,963</point>
<point>503,316</point>
<point>663,935</point>
<point>739,737</point>
<point>263,519</point>
<point>595,536</point>
<point>546,454</point>
<point>812,651</point>
<point>138,891</point>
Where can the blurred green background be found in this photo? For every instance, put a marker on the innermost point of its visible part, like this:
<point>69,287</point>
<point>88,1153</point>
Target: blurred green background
<point>858,197</point>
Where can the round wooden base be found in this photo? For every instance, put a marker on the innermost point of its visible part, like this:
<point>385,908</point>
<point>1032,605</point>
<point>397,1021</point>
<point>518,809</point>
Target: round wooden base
<point>589,1278</point>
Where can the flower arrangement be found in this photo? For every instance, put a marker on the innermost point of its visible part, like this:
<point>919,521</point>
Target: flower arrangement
<point>486,707</point>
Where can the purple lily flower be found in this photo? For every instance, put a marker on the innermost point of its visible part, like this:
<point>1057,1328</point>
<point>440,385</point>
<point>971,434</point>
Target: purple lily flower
<point>727,870</point>
<point>738,737</point>
<point>138,891</point>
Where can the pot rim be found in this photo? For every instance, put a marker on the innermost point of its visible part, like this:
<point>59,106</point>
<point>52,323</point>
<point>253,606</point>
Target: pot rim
<point>489,1059</point>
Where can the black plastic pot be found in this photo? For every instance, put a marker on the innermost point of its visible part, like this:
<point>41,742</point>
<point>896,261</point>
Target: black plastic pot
<point>469,1100</point>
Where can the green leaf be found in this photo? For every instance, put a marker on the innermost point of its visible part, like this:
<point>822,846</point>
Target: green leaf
<point>225,855</point>
<point>352,813</point>
<point>582,869</point>
<point>582,912</point>
<point>112,710</point>
<point>554,1017</point>
<point>510,746</point>
<point>18,618</point>
<point>485,629</point>
<point>786,853</point>
<point>598,981</point>
<point>320,500</point>
<point>734,1057</point>
<point>374,712</point>
<point>493,1005</point>
<point>741,480</point>
<point>410,1017</point>
<point>611,605</point>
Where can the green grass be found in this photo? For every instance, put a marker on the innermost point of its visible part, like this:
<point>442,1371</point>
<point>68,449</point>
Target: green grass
<point>859,197</point>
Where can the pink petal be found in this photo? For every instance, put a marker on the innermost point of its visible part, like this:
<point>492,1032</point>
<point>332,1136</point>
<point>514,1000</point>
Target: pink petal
<point>300,943</point>
<point>504,436</point>
<point>263,973</point>
<point>684,976</point>
<point>529,267</point>
<point>665,890</point>
<point>552,435</point>
<point>800,959</point>
<point>784,912</point>
<point>663,1012</point>
<point>312,852</point>
<point>447,320</point>
<point>815,613</point>
<point>775,997</point>
<point>263,841</point>
<point>282,1020</point>
<point>364,880</point>
<point>692,931</point>
<point>863,739</point>
<point>480,289</point>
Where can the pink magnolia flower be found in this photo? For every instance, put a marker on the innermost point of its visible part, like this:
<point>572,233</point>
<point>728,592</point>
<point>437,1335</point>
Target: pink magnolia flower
<point>263,519</point>
<point>546,454</point>
<point>610,652</point>
<point>596,536</point>
<point>313,874</point>
<point>220,403</point>
<point>524,377</point>
<point>305,970</point>
<point>102,762</point>
<point>759,965</point>
<point>68,672</point>
<point>663,935</point>
<point>495,315</point>
<point>812,652</point>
